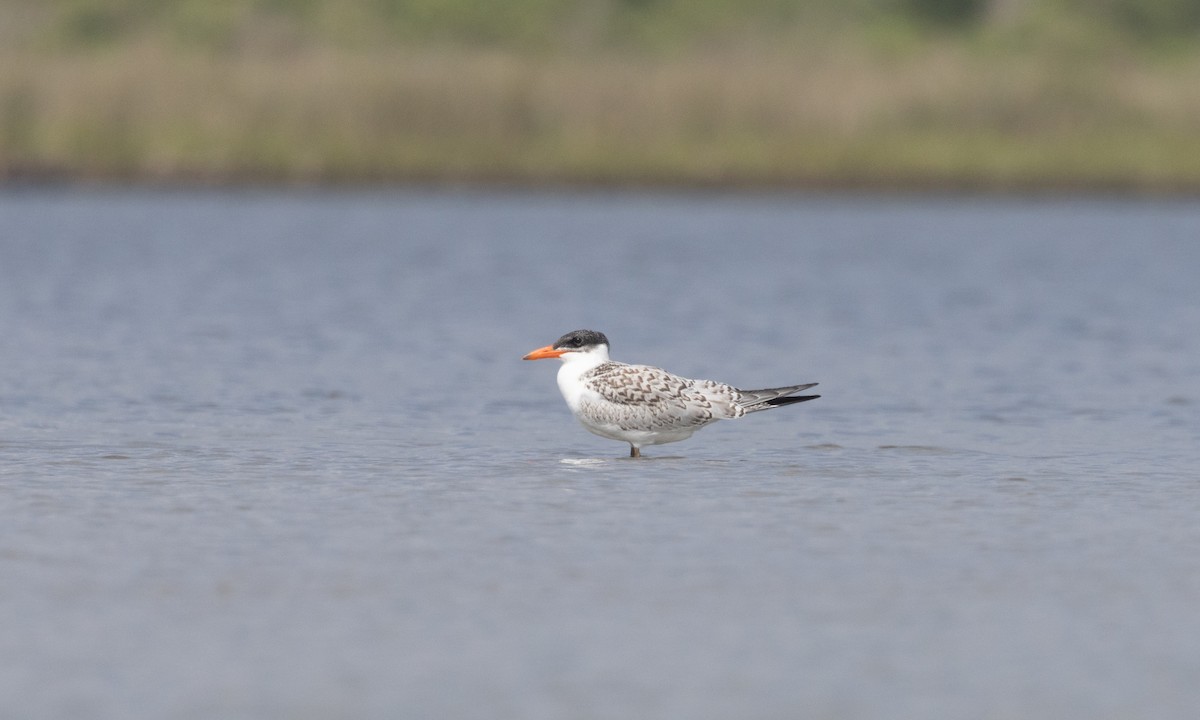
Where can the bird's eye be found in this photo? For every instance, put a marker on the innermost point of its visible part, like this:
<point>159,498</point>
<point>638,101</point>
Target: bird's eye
<point>577,342</point>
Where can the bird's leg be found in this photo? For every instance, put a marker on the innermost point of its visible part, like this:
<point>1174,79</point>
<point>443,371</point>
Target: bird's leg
<point>634,451</point>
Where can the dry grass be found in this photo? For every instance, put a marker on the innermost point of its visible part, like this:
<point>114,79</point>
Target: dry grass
<point>828,113</point>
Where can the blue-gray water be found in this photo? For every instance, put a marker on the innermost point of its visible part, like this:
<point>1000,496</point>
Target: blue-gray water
<point>275,455</point>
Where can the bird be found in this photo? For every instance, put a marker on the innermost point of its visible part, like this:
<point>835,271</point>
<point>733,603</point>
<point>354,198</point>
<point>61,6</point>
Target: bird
<point>644,405</point>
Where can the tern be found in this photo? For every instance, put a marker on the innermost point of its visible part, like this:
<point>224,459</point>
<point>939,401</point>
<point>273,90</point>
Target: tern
<point>644,405</point>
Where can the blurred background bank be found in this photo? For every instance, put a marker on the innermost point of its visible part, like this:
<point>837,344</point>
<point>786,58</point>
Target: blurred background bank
<point>959,94</point>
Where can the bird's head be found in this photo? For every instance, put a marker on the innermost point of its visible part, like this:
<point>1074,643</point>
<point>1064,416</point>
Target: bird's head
<point>575,344</point>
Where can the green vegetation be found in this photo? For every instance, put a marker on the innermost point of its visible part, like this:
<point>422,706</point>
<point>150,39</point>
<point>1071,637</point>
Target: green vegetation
<point>904,93</point>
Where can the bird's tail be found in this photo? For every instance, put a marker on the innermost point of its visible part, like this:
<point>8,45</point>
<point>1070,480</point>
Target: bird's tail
<point>767,398</point>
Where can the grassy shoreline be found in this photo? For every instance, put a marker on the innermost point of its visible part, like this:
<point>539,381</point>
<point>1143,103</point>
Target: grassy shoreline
<point>834,114</point>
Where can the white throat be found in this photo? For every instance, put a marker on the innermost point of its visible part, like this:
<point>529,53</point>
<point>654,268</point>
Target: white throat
<point>574,365</point>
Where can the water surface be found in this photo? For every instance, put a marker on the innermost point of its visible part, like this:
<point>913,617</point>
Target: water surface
<point>276,455</point>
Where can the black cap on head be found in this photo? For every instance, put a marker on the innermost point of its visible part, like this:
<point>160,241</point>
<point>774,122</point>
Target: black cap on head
<point>577,339</point>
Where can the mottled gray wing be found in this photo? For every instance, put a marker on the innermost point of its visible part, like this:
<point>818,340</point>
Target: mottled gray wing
<point>645,397</point>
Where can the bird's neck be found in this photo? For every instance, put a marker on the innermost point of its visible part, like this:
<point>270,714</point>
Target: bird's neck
<point>575,365</point>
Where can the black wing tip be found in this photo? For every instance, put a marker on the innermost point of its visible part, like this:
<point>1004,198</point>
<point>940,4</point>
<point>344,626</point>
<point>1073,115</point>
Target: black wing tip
<point>780,401</point>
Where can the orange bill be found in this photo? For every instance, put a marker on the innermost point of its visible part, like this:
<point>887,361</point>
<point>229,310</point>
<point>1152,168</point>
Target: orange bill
<point>544,353</point>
